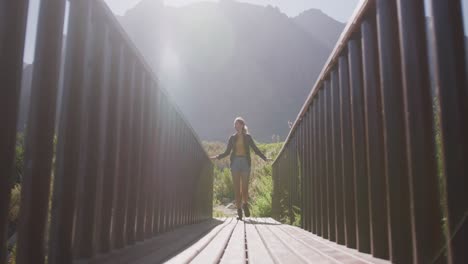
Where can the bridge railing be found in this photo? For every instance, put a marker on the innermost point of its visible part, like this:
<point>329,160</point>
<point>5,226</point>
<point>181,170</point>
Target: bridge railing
<point>127,165</point>
<point>379,151</point>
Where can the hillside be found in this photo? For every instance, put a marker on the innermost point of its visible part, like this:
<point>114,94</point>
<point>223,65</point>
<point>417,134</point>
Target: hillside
<point>320,26</point>
<point>228,59</point>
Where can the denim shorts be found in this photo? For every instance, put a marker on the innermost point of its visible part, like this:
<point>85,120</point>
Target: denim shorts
<point>240,164</point>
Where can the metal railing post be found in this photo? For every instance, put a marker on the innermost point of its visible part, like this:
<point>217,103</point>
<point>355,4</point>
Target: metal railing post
<point>359,146</point>
<point>39,140</point>
<point>452,82</point>
<point>338,162</point>
<point>424,190</point>
<point>374,140</point>
<point>12,40</point>
<point>394,133</point>
<point>347,154</point>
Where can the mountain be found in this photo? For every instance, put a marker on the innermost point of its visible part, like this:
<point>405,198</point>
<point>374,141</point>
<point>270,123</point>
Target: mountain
<point>320,26</point>
<point>228,59</point>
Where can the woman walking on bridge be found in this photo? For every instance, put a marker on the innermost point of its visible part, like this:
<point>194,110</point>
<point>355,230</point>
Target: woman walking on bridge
<point>239,146</point>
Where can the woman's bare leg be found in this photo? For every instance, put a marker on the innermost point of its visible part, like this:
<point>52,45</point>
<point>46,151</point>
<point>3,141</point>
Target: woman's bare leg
<point>236,182</point>
<point>245,186</point>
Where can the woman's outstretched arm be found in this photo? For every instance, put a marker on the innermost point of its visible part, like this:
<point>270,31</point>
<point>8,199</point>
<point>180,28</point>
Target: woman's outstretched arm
<point>256,150</point>
<point>226,152</point>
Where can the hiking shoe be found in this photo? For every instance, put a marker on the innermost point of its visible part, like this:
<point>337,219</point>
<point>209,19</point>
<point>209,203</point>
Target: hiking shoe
<point>239,214</point>
<point>246,209</point>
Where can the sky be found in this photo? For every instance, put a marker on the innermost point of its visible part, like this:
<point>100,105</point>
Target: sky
<point>340,10</point>
<point>290,7</point>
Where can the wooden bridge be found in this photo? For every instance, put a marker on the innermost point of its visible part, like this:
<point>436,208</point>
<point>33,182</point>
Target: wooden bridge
<point>375,166</point>
<point>228,240</point>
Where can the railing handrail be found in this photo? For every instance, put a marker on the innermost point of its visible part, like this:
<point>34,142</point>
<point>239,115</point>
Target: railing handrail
<point>348,31</point>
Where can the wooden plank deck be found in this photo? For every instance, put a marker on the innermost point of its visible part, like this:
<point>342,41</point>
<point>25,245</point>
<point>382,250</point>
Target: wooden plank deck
<point>254,240</point>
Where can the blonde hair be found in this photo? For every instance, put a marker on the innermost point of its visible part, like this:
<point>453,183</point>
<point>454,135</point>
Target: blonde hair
<point>241,120</point>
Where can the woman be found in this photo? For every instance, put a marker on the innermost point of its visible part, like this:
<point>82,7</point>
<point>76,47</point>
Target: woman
<point>239,146</point>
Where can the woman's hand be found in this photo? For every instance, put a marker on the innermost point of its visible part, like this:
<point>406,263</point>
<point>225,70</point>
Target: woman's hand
<point>214,157</point>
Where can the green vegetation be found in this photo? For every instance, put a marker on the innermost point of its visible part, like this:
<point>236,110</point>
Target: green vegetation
<point>15,196</point>
<point>261,183</point>
<point>12,256</point>
<point>218,213</point>
<point>13,214</point>
<point>262,189</point>
<point>440,168</point>
<point>19,157</point>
